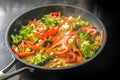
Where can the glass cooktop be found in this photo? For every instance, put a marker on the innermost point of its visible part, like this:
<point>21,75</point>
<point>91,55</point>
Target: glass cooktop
<point>102,64</point>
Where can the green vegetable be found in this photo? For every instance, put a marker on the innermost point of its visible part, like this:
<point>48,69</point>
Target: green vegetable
<point>39,59</point>
<point>87,45</point>
<point>83,35</point>
<point>48,41</point>
<point>76,26</point>
<point>27,50</point>
<point>82,22</point>
<point>86,23</point>
<point>88,49</point>
<point>50,22</point>
<point>23,33</point>
<point>74,42</point>
<point>46,27</point>
<point>26,30</point>
<point>16,39</point>
<point>33,37</point>
<point>68,28</point>
<point>41,51</point>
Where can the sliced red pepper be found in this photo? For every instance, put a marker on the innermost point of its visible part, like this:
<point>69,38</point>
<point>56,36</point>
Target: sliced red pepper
<point>25,54</point>
<point>62,53</point>
<point>13,49</point>
<point>56,14</point>
<point>31,45</point>
<point>39,30</point>
<point>31,21</point>
<point>89,29</point>
<point>22,45</point>
<point>79,59</point>
<point>52,31</point>
<point>101,37</point>
<point>22,54</point>
<point>71,58</point>
<point>90,26</point>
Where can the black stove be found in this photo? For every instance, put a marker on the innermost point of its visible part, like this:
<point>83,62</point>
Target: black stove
<point>104,63</point>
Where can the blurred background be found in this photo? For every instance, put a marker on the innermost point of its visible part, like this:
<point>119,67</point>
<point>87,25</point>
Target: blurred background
<point>107,62</point>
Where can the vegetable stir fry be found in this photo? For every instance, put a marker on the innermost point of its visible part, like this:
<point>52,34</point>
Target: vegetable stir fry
<point>56,41</point>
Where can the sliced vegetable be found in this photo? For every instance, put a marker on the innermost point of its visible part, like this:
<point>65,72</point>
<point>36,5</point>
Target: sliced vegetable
<point>39,59</point>
<point>31,45</point>
<point>88,49</point>
<point>52,31</point>
<point>31,21</point>
<point>56,14</point>
<point>83,35</point>
<point>26,30</point>
<point>16,39</point>
<point>32,37</point>
<point>48,41</point>
<point>86,23</point>
<point>101,37</point>
<point>72,58</point>
<point>91,30</point>
<point>22,54</point>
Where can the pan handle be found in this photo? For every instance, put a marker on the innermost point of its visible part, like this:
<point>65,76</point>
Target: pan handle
<point>4,75</point>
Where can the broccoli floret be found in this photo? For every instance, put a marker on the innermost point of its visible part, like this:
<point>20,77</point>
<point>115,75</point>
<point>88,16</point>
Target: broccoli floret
<point>50,22</point>
<point>83,35</point>
<point>48,41</point>
<point>26,30</point>
<point>16,39</point>
<point>87,45</point>
<point>40,59</point>
<point>88,49</point>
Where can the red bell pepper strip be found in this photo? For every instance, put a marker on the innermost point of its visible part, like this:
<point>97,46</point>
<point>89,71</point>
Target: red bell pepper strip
<point>25,54</point>
<point>90,26</point>
<point>56,14</point>
<point>13,49</point>
<point>22,45</point>
<point>79,59</point>
<point>22,54</point>
<point>91,30</point>
<point>71,58</point>
<point>31,21</point>
<point>101,37</point>
<point>31,45</point>
<point>62,53</point>
<point>39,30</point>
<point>52,31</point>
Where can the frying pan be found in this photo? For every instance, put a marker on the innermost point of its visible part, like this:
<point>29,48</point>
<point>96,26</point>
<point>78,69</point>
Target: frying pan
<point>66,10</point>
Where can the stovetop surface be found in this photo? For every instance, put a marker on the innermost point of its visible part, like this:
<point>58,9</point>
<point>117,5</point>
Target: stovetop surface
<point>104,63</point>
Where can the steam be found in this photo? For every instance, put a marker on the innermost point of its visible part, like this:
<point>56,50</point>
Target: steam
<point>78,3</point>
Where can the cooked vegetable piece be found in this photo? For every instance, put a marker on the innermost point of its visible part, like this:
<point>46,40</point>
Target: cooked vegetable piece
<point>39,59</point>
<point>16,39</point>
<point>48,41</point>
<point>26,30</point>
<point>33,37</point>
<point>83,35</point>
